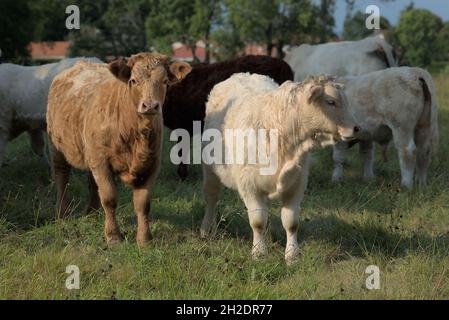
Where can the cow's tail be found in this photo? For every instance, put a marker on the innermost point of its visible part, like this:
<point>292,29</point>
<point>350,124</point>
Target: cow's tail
<point>429,117</point>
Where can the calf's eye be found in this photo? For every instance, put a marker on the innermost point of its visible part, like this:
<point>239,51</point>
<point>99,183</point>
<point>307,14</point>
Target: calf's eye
<point>132,82</point>
<point>331,103</point>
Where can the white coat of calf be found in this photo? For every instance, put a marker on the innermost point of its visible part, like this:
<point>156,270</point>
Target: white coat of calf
<point>347,58</point>
<point>304,115</point>
<point>23,100</point>
<point>398,103</point>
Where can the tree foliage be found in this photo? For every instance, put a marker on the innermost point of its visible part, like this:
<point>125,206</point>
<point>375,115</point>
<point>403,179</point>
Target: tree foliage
<point>111,28</point>
<point>355,28</point>
<point>443,43</point>
<point>16,29</point>
<point>326,20</point>
<point>270,22</point>
<point>417,34</point>
<point>187,21</point>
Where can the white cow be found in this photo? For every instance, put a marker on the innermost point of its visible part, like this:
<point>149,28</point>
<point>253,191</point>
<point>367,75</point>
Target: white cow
<point>23,100</point>
<point>347,58</point>
<point>305,116</point>
<point>397,103</point>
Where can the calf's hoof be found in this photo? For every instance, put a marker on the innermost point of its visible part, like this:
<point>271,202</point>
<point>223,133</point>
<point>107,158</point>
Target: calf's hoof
<point>143,239</point>
<point>182,172</point>
<point>368,177</point>
<point>336,178</point>
<point>421,180</point>
<point>291,256</point>
<point>207,227</point>
<point>407,184</point>
<point>206,233</point>
<point>63,212</point>
<point>259,252</point>
<point>114,239</point>
<point>91,209</point>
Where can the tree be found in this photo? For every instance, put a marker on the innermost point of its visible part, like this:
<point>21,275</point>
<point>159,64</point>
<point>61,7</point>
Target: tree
<point>227,42</point>
<point>88,42</point>
<point>50,16</point>
<point>355,28</point>
<point>111,27</point>
<point>17,27</point>
<point>417,33</point>
<point>207,13</point>
<point>186,21</point>
<point>271,22</point>
<point>443,43</point>
<point>326,19</point>
<point>124,26</point>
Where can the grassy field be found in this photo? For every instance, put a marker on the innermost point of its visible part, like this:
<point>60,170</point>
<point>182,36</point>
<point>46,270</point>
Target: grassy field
<point>343,229</point>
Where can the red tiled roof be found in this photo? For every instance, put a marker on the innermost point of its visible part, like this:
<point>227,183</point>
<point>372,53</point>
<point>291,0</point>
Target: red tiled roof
<point>255,49</point>
<point>183,52</point>
<point>49,50</point>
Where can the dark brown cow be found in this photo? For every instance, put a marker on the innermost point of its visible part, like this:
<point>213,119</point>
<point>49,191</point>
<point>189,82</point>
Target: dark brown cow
<point>107,119</point>
<point>186,101</point>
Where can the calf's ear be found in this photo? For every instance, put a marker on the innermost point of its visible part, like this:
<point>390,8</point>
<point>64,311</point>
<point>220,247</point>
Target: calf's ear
<point>314,92</point>
<point>120,69</point>
<point>178,71</point>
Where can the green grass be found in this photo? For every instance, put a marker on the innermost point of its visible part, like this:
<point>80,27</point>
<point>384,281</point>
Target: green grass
<point>343,229</point>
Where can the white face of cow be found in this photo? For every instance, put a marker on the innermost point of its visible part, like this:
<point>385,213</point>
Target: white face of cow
<point>148,75</point>
<point>328,111</point>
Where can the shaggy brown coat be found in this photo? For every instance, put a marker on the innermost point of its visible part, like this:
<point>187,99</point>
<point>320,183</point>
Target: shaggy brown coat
<point>107,119</point>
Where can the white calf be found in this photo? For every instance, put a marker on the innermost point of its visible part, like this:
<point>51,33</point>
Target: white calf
<point>397,103</point>
<point>305,116</point>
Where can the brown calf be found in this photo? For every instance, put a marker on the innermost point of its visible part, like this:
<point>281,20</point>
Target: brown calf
<point>108,119</point>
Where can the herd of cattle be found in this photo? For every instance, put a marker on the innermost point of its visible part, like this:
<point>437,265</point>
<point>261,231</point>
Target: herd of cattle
<point>108,119</point>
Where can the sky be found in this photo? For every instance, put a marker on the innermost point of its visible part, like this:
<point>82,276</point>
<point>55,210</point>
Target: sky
<point>391,10</point>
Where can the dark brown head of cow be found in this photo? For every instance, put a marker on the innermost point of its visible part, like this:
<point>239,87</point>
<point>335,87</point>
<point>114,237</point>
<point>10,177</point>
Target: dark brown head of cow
<point>148,75</point>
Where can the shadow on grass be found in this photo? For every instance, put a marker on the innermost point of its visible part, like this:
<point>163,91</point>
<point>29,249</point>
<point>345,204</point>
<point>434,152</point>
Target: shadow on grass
<point>27,201</point>
<point>359,240</point>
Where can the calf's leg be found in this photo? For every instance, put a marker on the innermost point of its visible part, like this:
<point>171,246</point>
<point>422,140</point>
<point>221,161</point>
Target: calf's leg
<point>182,167</point>
<point>3,141</point>
<point>108,196</point>
<point>291,201</point>
<point>37,142</point>
<point>142,205</point>
<point>61,174</point>
<point>338,155</point>
<point>258,217</point>
<point>424,153</point>
<point>5,127</point>
<point>367,154</point>
<point>211,191</point>
<point>182,171</point>
<point>406,147</point>
<point>94,199</point>
<point>384,148</point>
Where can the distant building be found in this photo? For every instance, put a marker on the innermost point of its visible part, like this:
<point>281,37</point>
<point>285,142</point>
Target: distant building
<point>255,49</point>
<point>48,51</point>
<point>184,53</point>
<point>57,50</point>
<point>259,50</point>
